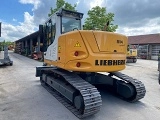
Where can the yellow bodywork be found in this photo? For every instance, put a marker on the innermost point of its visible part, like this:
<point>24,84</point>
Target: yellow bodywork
<point>93,51</point>
<point>132,53</point>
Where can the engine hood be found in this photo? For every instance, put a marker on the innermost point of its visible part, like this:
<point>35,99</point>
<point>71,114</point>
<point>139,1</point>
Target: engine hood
<point>102,41</point>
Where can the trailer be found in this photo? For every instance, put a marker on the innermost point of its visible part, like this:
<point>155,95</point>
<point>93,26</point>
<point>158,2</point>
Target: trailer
<point>4,58</point>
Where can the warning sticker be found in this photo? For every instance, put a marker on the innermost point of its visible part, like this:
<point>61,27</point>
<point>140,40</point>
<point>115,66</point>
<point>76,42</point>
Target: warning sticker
<point>77,44</point>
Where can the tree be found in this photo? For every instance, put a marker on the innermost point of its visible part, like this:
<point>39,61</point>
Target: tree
<point>97,19</point>
<point>62,3</point>
<point>5,43</point>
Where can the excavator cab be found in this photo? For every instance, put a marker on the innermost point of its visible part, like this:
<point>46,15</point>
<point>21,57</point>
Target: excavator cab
<point>61,22</point>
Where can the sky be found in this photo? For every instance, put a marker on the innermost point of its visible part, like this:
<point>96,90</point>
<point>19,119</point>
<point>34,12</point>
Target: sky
<point>20,18</point>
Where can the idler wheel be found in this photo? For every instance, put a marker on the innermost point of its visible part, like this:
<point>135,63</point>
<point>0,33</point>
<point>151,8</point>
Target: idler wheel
<point>78,102</point>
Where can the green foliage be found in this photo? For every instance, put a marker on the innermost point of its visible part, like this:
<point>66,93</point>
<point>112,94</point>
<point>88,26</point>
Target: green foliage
<point>62,3</point>
<point>6,43</point>
<point>97,19</point>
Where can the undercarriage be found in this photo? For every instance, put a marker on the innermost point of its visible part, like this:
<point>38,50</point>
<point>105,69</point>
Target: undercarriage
<point>77,92</point>
<point>131,60</point>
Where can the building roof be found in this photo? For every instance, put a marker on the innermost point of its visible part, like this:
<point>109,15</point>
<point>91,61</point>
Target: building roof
<point>144,39</point>
<point>28,37</point>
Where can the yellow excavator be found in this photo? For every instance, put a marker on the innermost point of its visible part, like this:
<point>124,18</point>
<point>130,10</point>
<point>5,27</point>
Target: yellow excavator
<point>74,59</point>
<point>131,54</point>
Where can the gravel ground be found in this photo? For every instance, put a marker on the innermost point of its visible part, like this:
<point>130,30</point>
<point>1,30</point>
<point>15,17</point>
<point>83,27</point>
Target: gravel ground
<point>23,98</point>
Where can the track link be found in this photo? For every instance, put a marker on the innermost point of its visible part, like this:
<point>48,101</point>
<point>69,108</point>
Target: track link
<point>139,86</point>
<point>90,94</point>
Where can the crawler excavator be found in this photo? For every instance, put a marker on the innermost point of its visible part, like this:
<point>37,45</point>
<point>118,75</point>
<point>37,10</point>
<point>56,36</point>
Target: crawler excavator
<point>131,54</point>
<point>74,59</point>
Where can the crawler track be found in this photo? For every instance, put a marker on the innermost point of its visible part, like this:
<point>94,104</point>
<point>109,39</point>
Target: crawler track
<point>90,94</point>
<point>131,60</point>
<point>139,86</point>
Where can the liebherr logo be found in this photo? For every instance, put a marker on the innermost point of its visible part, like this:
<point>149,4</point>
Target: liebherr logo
<point>109,62</point>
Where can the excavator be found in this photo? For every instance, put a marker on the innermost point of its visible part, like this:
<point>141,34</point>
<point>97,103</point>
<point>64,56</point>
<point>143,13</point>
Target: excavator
<point>76,60</point>
<point>131,54</point>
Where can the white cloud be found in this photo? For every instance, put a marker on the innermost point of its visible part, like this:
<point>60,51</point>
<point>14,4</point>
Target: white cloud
<point>94,3</point>
<point>149,28</point>
<point>77,2</point>
<point>36,3</point>
<point>14,20</point>
<point>12,33</point>
<point>133,19</point>
<point>30,24</point>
